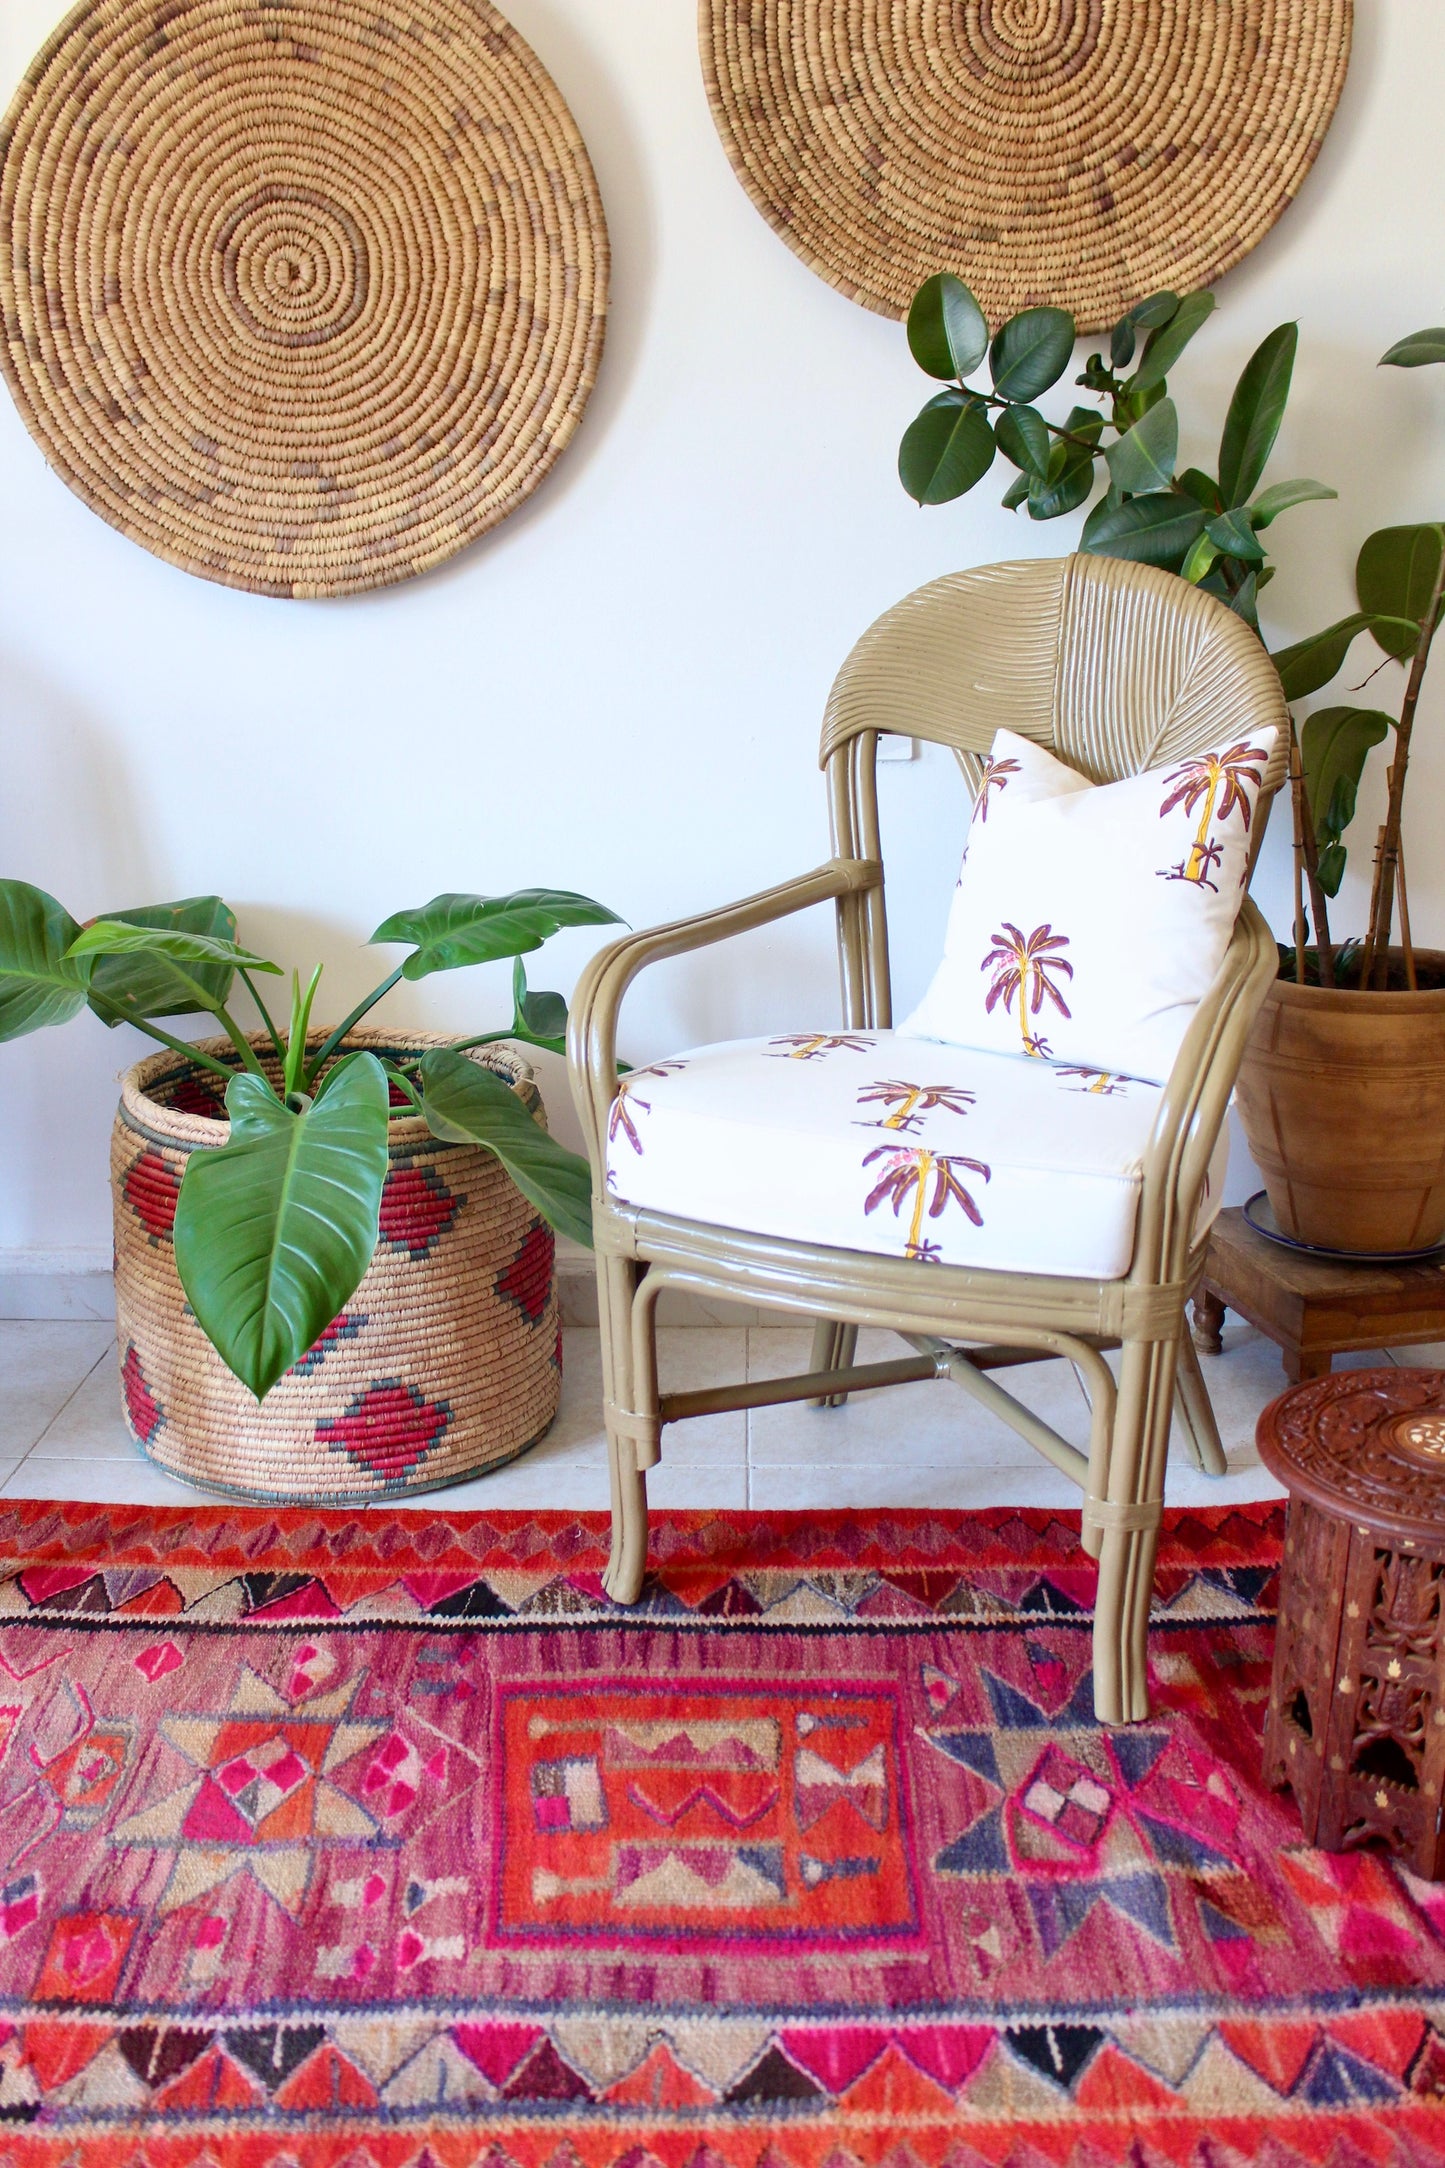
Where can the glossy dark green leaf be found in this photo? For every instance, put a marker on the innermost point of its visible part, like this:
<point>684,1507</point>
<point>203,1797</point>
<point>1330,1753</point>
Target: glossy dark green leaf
<point>453,931</point>
<point>1023,437</point>
<point>1395,575</point>
<point>1236,537</point>
<point>147,983</point>
<point>1016,493</point>
<point>1282,496</point>
<point>946,450</point>
<point>1335,743</point>
<point>1167,343</point>
<point>538,1017</point>
<point>1143,459</point>
<point>1200,559</point>
<point>1158,529</point>
<point>134,937</point>
<point>1030,352</point>
<point>274,1231</point>
<point>1308,664</point>
<point>1201,487</point>
<point>1144,316</point>
<point>39,984</point>
<point>1255,413</point>
<point>1416,350</point>
<point>1070,478</point>
<point>947,332</point>
<point>468,1104</point>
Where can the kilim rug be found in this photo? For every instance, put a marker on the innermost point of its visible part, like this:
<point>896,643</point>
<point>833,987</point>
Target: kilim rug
<point>382,1840</point>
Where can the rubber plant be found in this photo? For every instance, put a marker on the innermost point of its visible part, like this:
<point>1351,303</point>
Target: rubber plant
<point>1206,527</point>
<point>275,1229</point>
<point>1400,589</point>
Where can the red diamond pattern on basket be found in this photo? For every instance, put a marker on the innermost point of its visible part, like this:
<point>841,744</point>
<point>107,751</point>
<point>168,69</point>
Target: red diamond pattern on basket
<point>192,1095</point>
<point>152,1192</point>
<point>416,1208</point>
<point>527,1280</point>
<point>345,1327</point>
<point>389,1429</point>
<point>145,1412</point>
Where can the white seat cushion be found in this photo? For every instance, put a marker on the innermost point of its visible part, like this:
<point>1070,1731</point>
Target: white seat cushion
<point>872,1140</point>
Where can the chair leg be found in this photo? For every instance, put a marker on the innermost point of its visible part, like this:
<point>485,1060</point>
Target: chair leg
<point>834,1347</point>
<point>617,1280</point>
<point>1130,1514</point>
<point>1196,1413</point>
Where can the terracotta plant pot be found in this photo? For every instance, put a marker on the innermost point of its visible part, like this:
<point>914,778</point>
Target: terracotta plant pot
<point>445,1362</point>
<point>1342,1096</point>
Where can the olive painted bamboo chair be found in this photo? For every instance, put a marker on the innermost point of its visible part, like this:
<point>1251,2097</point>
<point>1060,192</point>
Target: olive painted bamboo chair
<point>1117,668</point>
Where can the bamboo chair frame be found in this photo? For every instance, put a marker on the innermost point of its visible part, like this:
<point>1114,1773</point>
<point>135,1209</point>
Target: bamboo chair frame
<point>1118,667</point>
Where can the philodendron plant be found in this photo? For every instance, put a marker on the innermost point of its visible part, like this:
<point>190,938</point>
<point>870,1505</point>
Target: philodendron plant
<point>1205,527</point>
<point>1400,588</point>
<point>274,1230</point>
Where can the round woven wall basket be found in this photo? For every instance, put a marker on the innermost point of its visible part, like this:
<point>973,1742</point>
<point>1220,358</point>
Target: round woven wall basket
<point>302,297</point>
<point>445,1362</point>
<point>1080,152</point>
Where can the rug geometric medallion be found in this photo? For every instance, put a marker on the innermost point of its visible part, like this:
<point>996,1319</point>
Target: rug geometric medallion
<point>382,1840</point>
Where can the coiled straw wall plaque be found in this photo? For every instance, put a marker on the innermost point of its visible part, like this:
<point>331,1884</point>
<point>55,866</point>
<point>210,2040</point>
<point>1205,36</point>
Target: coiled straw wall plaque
<point>1081,152</point>
<point>302,296</point>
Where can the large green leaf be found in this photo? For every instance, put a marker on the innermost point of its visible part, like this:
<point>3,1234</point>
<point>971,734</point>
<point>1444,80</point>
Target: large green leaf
<point>1236,537</point>
<point>135,937</point>
<point>946,449</point>
<point>1310,663</point>
<point>455,930</point>
<point>1070,475</point>
<point>947,332</point>
<point>1395,575</point>
<point>1201,487</point>
<point>1023,437</point>
<point>274,1231</point>
<point>1167,343</point>
<point>1157,529</point>
<point>1143,458</point>
<point>1281,496</point>
<point>468,1104</point>
<point>39,985</point>
<point>538,1017</point>
<point>1255,413</point>
<point>1030,352</point>
<point>1334,746</point>
<point>1144,316</point>
<point>147,984</point>
<point>1420,347</point>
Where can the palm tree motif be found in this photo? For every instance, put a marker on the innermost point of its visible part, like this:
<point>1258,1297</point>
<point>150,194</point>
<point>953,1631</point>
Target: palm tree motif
<point>620,1120</point>
<point>1024,967</point>
<point>907,1175</point>
<point>910,1102</point>
<point>809,1045</point>
<point>1215,783</point>
<point>1107,1083</point>
<point>994,777</point>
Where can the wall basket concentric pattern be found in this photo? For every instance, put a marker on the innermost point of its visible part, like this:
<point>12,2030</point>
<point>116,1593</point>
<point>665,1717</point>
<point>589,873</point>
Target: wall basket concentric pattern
<point>1080,152</point>
<point>303,298</point>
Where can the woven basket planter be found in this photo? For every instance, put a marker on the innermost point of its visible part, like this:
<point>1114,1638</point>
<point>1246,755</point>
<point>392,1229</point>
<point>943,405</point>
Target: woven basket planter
<point>445,1362</point>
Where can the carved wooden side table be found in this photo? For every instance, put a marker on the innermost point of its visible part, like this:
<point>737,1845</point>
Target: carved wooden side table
<point>1356,1721</point>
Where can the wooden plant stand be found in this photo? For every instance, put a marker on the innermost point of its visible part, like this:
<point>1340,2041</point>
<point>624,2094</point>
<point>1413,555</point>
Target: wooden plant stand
<point>1311,1307</point>
<point>1356,1723</point>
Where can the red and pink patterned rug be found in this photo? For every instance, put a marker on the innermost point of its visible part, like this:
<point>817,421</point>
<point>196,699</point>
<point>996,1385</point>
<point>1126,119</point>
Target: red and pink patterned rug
<point>382,1840</point>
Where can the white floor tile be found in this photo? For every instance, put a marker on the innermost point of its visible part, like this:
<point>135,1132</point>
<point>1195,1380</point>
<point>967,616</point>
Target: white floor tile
<point>133,1482</point>
<point>41,1364</point>
<point>900,1485</point>
<point>90,1425</point>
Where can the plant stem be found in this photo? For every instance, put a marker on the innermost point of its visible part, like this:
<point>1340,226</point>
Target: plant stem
<point>1308,845</point>
<point>183,1046</point>
<point>1382,896</point>
<point>271,1032</point>
<point>239,1041</point>
<point>350,1023</point>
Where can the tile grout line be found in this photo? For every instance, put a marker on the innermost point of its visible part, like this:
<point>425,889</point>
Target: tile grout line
<point>46,1428</point>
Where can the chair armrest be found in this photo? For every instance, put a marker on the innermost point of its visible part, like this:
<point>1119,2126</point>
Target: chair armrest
<point>592,1025</point>
<point>1196,1096</point>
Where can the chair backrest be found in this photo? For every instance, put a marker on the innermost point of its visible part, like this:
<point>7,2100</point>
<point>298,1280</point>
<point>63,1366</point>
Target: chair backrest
<point>1116,667</point>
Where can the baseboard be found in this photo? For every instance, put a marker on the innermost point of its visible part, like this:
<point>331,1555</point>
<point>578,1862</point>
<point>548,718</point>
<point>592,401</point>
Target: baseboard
<point>73,1283</point>
<point>77,1283</point>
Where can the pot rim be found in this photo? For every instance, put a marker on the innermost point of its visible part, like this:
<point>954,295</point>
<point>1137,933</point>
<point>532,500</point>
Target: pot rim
<point>1397,1002</point>
<point>171,1125</point>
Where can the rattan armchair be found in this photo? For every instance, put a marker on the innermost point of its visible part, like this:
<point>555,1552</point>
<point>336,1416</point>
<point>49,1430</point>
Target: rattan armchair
<point>1117,668</point>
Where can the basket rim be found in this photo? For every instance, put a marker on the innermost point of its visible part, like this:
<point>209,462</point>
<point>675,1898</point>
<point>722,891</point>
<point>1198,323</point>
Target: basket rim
<point>404,1131</point>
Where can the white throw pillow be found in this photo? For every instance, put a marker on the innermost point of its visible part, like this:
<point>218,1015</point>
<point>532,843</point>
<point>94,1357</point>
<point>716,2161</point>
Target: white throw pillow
<point>1090,919</point>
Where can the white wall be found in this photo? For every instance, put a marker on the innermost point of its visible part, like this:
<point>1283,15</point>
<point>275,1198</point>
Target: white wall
<point>619,690</point>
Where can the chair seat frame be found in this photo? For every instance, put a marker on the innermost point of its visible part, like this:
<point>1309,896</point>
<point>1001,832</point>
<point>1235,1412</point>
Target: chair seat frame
<point>963,1324</point>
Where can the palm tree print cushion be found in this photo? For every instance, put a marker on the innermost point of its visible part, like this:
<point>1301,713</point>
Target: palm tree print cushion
<point>1090,919</point>
<point>870,1140</point>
